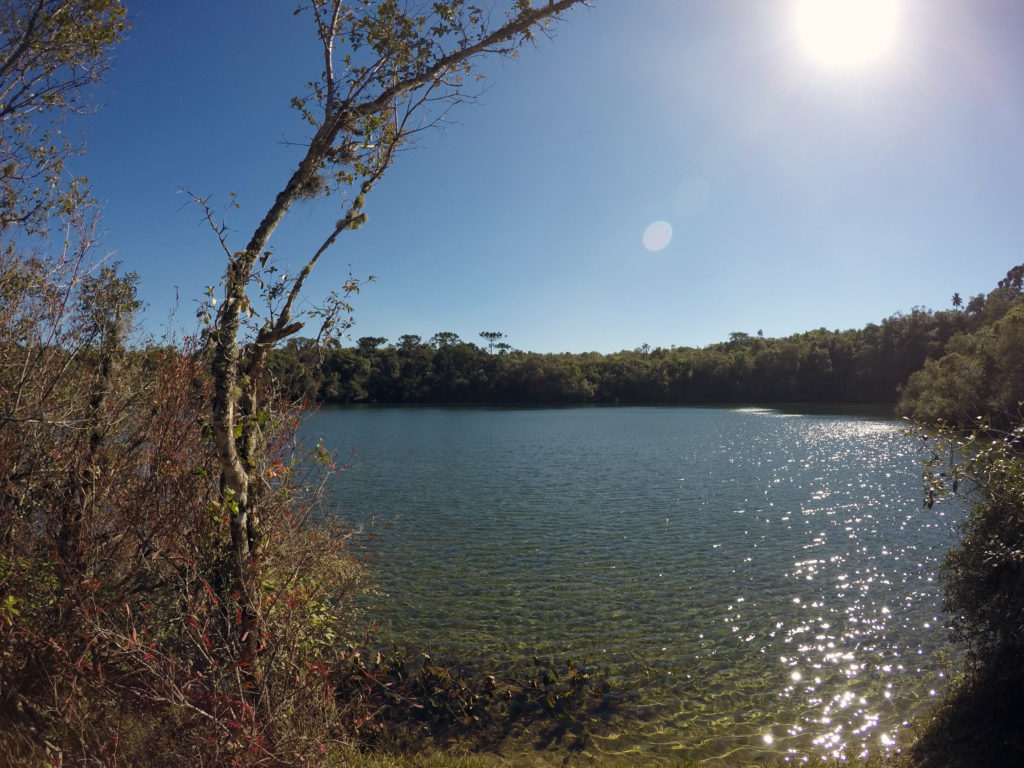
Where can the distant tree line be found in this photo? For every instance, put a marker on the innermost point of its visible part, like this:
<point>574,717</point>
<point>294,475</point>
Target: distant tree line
<point>866,365</point>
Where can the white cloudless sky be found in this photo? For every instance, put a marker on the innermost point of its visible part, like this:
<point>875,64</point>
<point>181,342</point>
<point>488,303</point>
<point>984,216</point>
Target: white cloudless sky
<point>662,172</point>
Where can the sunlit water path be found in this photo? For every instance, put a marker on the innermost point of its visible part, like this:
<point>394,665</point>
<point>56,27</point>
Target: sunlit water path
<point>766,581</point>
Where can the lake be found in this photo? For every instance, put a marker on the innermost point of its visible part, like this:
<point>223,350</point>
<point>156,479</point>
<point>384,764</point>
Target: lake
<point>765,582</point>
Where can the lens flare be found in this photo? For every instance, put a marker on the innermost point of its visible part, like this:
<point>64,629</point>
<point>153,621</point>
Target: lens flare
<point>657,236</point>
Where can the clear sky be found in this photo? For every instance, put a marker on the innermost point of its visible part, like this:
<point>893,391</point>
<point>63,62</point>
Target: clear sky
<point>805,180</point>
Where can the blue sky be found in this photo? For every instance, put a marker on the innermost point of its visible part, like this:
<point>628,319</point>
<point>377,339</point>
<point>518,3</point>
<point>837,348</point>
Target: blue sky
<point>798,195</point>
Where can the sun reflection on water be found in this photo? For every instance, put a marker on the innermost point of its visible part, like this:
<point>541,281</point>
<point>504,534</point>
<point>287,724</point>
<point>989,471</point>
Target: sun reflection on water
<point>759,584</point>
<point>845,630</point>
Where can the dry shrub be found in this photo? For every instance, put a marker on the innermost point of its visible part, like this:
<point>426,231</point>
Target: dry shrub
<point>117,611</point>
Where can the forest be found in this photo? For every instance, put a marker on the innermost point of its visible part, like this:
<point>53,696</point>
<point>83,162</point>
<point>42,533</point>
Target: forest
<point>867,365</point>
<point>171,592</point>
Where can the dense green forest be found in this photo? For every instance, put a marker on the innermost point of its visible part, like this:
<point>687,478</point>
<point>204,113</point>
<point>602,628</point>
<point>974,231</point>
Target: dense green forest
<point>867,365</point>
<point>981,374</point>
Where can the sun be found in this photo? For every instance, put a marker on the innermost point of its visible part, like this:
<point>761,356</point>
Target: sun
<point>843,34</point>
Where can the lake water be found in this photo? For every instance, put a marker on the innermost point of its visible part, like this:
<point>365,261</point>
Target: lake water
<point>765,581</point>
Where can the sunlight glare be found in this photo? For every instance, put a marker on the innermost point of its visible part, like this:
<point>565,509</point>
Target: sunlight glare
<point>843,34</point>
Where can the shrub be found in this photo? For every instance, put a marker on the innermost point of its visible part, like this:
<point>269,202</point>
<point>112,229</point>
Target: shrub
<point>984,574</point>
<point>117,624</point>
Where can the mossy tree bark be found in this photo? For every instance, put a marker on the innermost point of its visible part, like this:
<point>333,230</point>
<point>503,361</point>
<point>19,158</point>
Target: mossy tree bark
<point>398,62</point>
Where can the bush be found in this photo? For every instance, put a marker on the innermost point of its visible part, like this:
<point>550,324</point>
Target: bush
<point>981,376</point>
<point>984,574</point>
<point>983,578</point>
<point>117,624</point>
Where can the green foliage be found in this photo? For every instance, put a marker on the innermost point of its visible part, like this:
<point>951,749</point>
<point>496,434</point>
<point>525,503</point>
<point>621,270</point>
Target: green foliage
<point>948,365</point>
<point>866,365</point>
<point>368,343</point>
<point>983,575</point>
<point>445,339</point>
<point>50,50</point>
<point>970,399</point>
<point>981,376</point>
<point>491,337</point>
<point>28,587</point>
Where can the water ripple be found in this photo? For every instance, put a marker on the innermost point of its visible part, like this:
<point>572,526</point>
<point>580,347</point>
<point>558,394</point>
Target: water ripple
<point>765,583</point>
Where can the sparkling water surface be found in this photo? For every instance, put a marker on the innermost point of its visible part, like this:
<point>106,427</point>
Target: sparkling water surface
<point>764,582</point>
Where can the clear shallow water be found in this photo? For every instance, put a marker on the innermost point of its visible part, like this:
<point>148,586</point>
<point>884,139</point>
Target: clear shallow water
<point>765,581</point>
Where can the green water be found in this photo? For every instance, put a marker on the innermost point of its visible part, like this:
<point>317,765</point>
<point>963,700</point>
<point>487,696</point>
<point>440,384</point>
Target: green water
<point>764,582</point>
